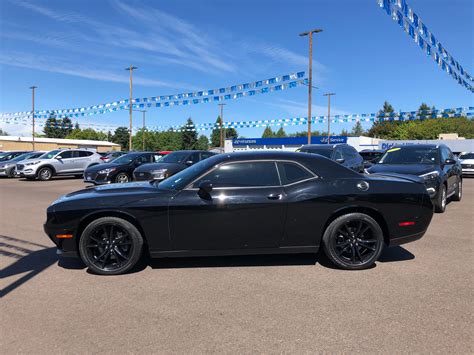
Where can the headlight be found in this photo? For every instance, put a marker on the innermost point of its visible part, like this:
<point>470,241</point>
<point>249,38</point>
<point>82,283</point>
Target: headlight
<point>159,173</point>
<point>33,163</point>
<point>430,175</point>
<point>106,171</point>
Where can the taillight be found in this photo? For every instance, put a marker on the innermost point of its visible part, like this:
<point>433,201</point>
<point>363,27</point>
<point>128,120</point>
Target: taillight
<point>406,224</point>
<point>103,158</point>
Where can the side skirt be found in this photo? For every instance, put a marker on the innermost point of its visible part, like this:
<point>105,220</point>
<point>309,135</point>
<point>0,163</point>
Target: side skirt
<point>283,250</point>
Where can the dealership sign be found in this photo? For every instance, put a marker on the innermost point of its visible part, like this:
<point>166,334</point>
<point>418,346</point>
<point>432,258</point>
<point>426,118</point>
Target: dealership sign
<point>286,141</point>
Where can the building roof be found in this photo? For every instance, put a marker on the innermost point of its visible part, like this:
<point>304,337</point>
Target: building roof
<point>57,140</point>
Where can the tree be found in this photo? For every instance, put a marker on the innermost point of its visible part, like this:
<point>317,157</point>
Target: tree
<point>202,143</point>
<point>268,133</point>
<point>424,107</point>
<point>344,132</point>
<point>189,135</point>
<point>3,133</point>
<point>231,133</point>
<point>51,126</point>
<point>121,136</point>
<point>65,127</point>
<point>169,140</point>
<point>151,143</point>
<point>216,133</point>
<point>357,130</point>
<point>76,126</point>
<point>280,133</point>
<point>88,133</point>
<point>382,128</point>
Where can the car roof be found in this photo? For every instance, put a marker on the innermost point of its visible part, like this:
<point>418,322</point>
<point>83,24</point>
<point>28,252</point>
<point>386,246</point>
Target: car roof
<point>324,146</point>
<point>265,154</point>
<point>424,145</point>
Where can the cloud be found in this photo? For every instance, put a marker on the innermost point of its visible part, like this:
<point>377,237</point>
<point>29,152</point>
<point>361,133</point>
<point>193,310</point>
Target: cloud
<point>25,60</point>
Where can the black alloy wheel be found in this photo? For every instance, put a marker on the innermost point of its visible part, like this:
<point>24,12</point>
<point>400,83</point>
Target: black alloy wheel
<point>11,173</point>
<point>458,194</point>
<point>353,241</point>
<point>122,178</point>
<point>110,246</point>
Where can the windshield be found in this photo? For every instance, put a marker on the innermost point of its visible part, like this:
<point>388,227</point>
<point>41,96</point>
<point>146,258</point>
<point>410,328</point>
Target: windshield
<point>6,156</point>
<point>466,156</point>
<point>370,156</point>
<point>175,157</point>
<point>49,155</point>
<point>125,159</point>
<point>24,156</point>
<point>325,152</point>
<point>410,155</point>
<point>185,177</point>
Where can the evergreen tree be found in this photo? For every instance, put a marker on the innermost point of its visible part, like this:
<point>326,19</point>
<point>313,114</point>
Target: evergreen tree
<point>3,133</point>
<point>65,127</point>
<point>280,133</point>
<point>268,133</point>
<point>216,133</point>
<point>202,143</point>
<point>189,135</point>
<point>344,132</point>
<point>424,111</point>
<point>357,130</point>
<point>50,128</point>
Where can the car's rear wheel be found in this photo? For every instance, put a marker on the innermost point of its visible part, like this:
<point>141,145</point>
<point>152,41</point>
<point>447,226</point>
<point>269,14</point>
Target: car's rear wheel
<point>458,194</point>
<point>45,174</point>
<point>353,241</point>
<point>441,200</point>
<point>110,246</point>
<point>11,173</point>
<point>122,178</point>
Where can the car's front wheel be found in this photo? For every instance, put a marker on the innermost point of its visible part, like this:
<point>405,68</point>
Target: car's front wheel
<point>441,200</point>
<point>122,178</point>
<point>110,246</point>
<point>45,174</point>
<point>353,241</point>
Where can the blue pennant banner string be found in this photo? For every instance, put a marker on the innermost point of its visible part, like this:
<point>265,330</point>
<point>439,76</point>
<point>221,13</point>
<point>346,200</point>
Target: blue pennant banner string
<point>424,38</point>
<point>348,118</point>
<point>233,92</point>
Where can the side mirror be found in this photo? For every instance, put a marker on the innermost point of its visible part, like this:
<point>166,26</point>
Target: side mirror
<point>205,188</point>
<point>450,161</point>
<point>340,160</point>
<point>59,157</point>
<point>189,162</point>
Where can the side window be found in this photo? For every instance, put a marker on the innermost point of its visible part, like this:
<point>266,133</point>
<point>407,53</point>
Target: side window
<point>142,159</point>
<point>444,154</point>
<point>205,155</point>
<point>156,157</point>
<point>193,157</point>
<point>450,154</point>
<point>66,154</point>
<point>82,154</point>
<point>290,173</point>
<point>249,174</point>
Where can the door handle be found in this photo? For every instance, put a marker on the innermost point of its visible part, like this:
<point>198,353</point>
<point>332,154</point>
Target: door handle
<point>274,196</point>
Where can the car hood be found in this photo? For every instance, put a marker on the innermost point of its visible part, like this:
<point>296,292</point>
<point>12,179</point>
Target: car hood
<point>466,161</point>
<point>96,168</point>
<point>116,194</point>
<point>157,166</point>
<point>7,162</point>
<point>412,169</point>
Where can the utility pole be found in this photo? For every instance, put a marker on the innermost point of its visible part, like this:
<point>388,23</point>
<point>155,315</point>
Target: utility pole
<point>33,114</point>
<point>310,76</point>
<point>130,104</point>
<point>143,128</point>
<point>222,125</point>
<point>329,94</point>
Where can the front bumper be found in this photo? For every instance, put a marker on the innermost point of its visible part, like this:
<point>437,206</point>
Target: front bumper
<point>66,247</point>
<point>467,171</point>
<point>97,179</point>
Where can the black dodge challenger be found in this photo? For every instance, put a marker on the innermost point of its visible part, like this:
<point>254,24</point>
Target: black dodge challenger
<point>242,203</point>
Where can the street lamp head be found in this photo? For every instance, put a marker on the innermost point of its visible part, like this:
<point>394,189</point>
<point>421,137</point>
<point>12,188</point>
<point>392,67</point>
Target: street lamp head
<point>329,94</point>
<point>316,30</point>
<point>33,87</point>
<point>131,68</point>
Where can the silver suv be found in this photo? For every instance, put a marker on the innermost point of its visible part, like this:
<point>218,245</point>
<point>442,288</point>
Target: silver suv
<point>58,162</point>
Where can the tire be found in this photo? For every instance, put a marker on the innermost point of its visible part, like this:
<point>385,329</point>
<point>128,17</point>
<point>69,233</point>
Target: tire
<point>122,178</point>
<point>110,246</point>
<point>458,194</point>
<point>45,174</point>
<point>441,200</point>
<point>353,241</point>
<point>11,173</point>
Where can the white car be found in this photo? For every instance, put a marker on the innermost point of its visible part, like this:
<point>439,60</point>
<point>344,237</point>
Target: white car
<point>467,163</point>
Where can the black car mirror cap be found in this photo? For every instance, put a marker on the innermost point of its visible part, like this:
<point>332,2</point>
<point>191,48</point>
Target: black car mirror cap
<point>205,186</point>
<point>450,161</point>
<point>340,160</point>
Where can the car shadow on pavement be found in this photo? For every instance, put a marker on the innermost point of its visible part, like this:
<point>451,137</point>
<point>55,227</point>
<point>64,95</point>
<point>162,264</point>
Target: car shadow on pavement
<point>395,253</point>
<point>30,258</point>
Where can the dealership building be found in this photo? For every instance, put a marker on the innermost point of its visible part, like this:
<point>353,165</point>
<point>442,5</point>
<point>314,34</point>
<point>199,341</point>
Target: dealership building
<point>359,143</point>
<point>47,144</point>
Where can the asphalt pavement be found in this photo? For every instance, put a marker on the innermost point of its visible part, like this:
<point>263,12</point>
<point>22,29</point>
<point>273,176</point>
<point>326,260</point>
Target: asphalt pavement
<point>418,297</point>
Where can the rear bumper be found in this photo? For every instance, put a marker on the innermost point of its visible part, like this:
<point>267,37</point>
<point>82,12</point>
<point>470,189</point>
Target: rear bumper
<point>406,239</point>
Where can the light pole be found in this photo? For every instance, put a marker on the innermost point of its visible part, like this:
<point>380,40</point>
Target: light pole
<point>329,94</point>
<point>222,124</point>
<point>310,76</point>
<point>131,68</point>
<point>143,128</point>
<point>33,114</point>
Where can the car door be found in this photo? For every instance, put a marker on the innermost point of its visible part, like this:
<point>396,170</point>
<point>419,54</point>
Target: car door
<point>244,210</point>
<point>64,162</point>
<point>449,169</point>
<point>83,159</point>
<point>205,155</point>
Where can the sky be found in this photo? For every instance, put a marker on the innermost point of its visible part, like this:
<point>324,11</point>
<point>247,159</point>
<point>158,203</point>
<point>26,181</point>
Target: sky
<point>75,52</point>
